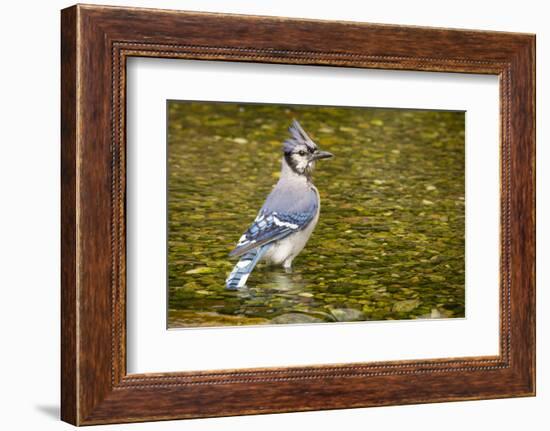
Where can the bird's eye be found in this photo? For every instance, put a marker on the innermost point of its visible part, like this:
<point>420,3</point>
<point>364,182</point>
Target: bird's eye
<point>302,153</point>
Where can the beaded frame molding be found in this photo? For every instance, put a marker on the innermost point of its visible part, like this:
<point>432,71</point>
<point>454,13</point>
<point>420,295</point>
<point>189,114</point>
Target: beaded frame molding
<point>95,43</point>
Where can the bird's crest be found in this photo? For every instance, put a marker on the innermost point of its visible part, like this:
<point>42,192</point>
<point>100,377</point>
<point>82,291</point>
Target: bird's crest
<point>298,136</point>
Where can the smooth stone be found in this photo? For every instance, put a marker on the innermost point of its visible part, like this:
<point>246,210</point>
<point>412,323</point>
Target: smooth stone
<point>405,306</point>
<point>436,314</point>
<point>436,278</point>
<point>347,314</point>
<point>295,318</point>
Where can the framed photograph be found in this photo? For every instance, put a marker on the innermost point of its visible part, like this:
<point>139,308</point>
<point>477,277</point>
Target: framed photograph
<point>266,215</point>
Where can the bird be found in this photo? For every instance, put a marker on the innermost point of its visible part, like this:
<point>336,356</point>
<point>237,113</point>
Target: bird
<point>289,214</point>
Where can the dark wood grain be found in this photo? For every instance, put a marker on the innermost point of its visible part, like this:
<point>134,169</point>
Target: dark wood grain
<point>96,41</point>
<point>69,367</point>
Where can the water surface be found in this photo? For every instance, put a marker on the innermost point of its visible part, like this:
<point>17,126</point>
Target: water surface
<point>390,239</point>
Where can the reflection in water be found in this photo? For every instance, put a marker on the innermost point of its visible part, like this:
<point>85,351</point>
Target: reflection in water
<point>282,282</point>
<point>390,240</point>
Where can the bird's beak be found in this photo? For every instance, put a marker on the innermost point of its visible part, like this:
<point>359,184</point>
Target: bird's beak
<point>321,155</point>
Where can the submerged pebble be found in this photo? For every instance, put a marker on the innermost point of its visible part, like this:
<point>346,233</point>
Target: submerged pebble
<point>406,305</point>
<point>347,314</point>
<point>295,318</point>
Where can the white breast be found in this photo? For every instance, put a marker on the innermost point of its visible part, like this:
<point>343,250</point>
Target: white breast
<point>285,250</point>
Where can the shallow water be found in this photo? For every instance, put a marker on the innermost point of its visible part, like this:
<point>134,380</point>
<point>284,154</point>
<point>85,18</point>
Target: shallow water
<point>390,239</point>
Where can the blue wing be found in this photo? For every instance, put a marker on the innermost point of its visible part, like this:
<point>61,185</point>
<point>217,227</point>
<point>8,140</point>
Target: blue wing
<point>270,226</point>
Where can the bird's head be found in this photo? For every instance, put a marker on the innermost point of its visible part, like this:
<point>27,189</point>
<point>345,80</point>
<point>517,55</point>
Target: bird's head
<point>300,151</point>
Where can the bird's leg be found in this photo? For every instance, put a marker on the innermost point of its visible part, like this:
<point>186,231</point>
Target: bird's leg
<point>287,265</point>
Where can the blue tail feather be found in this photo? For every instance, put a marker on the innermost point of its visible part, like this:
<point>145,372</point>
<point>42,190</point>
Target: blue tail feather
<point>244,267</point>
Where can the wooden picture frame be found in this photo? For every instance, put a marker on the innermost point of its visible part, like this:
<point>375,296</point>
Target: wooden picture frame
<point>95,43</point>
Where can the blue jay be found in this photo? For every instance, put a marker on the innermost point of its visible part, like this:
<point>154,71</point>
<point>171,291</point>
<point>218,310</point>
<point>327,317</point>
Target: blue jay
<point>289,215</point>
